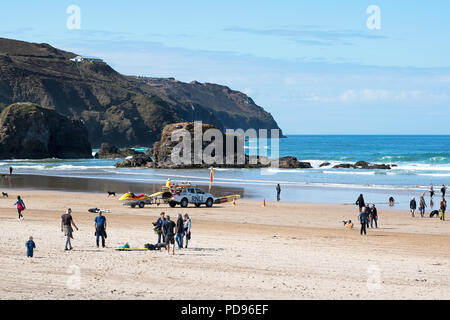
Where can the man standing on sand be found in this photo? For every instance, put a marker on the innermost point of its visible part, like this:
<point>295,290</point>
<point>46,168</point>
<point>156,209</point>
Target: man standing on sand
<point>374,217</point>
<point>100,228</point>
<point>159,226</point>
<point>278,192</point>
<point>413,206</point>
<point>66,227</point>
<point>363,217</point>
<point>360,202</point>
<point>169,234</point>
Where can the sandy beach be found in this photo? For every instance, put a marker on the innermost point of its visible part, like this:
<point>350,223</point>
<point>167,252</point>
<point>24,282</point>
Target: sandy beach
<point>281,251</point>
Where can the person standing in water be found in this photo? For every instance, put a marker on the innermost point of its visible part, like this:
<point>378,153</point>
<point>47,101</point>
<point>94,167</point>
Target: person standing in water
<point>363,220</point>
<point>431,192</point>
<point>20,205</point>
<point>443,189</point>
<point>413,206</point>
<point>66,227</point>
<point>360,202</point>
<point>278,192</point>
<point>422,206</point>
<point>10,171</point>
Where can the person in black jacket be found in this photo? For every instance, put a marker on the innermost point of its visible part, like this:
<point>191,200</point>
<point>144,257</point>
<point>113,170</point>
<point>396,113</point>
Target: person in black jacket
<point>363,220</point>
<point>360,202</point>
<point>278,192</point>
<point>412,206</point>
<point>443,189</point>
<point>374,217</point>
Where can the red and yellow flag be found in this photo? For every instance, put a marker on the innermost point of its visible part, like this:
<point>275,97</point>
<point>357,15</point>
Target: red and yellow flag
<point>211,178</point>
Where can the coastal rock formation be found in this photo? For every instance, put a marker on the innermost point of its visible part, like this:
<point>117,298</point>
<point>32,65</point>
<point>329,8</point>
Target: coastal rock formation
<point>325,164</point>
<point>292,163</point>
<point>364,165</point>
<point>108,151</point>
<point>163,151</point>
<point>138,161</point>
<point>121,110</point>
<point>28,131</point>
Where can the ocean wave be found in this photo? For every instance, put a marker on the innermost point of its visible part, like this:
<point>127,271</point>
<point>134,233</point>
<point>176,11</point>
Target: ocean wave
<point>351,172</point>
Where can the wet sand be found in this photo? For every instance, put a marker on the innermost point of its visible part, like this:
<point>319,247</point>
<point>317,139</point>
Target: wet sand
<point>281,251</point>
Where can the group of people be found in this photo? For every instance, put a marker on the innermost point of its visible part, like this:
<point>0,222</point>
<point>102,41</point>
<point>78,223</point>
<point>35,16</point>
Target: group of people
<point>168,231</point>
<point>422,203</point>
<point>368,215</point>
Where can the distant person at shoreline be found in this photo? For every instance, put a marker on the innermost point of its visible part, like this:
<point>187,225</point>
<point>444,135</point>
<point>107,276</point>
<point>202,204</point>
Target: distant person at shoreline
<point>30,245</point>
<point>412,206</point>
<point>100,229</point>
<point>10,171</point>
<point>373,217</point>
<point>278,192</point>
<point>422,206</point>
<point>66,227</point>
<point>169,234</point>
<point>443,208</point>
<point>187,228</point>
<point>391,201</point>
<point>360,202</point>
<point>431,192</point>
<point>443,189</point>
<point>363,220</point>
<point>20,205</point>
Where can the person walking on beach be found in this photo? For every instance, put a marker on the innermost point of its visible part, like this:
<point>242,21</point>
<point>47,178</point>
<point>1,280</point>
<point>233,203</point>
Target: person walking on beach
<point>443,189</point>
<point>413,206</point>
<point>373,217</point>
<point>66,227</point>
<point>368,215</point>
<point>159,226</point>
<point>278,192</point>
<point>360,202</point>
<point>363,220</point>
<point>169,235</point>
<point>443,207</point>
<point>422,206</point>
<point>20,205</point>
<point>179,231</point>
<point>431,192</point>
<point>30,245</point>
<point>100,229</point>
<point>187,228</point>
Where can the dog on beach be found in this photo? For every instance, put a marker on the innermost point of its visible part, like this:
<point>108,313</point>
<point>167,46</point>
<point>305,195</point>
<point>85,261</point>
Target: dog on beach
<point>111,193</point>
<point>434,213</point>
<point>5,195</point>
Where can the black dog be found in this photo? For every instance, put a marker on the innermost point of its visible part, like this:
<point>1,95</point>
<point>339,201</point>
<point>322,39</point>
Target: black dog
<point>111,193</point>
<point>5,194</point>
<point>434,213</point>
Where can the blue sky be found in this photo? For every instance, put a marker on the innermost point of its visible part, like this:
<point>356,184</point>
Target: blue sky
<point>313,64</point>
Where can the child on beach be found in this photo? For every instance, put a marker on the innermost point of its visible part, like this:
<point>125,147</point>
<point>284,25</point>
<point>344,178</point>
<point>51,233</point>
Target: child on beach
<point>30,247</point>
<point>20,205</point>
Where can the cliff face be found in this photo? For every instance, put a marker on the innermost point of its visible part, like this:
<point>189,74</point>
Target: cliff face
<point>28,131</point>
<point>121,110</point>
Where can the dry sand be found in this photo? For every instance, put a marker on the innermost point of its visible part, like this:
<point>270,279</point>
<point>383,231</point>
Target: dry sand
<point>282,251</point>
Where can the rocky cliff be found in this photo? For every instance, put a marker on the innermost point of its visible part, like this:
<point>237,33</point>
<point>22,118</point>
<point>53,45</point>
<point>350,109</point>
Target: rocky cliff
<point>121,110</point>
<point>28,131</point>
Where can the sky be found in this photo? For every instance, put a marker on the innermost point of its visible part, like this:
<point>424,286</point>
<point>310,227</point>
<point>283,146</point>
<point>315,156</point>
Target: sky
<point>319,67</point>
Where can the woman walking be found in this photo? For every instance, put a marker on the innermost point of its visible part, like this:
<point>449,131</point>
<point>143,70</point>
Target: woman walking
<point>422,206</point>
<point>20,205</point>
<point>187,228</point>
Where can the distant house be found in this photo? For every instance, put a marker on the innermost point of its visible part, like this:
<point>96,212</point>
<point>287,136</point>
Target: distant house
<point>83,58</point>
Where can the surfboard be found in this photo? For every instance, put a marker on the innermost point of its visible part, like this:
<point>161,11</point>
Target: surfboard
<point>131,249</point>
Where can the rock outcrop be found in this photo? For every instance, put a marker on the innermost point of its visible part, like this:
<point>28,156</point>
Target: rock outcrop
<point>108,151</point>
<point>137,161</point>
<point>292,163</point>
<point>364,165</point>
<point>28,131</point>
<point>121,110</point>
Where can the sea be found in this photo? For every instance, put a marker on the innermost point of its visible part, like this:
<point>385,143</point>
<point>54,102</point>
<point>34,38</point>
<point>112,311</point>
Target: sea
<point>421,160</point>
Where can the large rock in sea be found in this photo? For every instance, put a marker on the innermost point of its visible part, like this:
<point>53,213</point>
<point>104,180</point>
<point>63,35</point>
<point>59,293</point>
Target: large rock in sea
<point>291,162</point>
<point>28,131</point>
<point>108,151</point>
